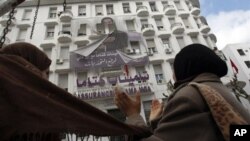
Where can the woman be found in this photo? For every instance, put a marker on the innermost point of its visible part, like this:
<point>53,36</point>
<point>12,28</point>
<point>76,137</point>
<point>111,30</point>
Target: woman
<point>35,109</point>
<point>186,115</point>
<point>34,58</point>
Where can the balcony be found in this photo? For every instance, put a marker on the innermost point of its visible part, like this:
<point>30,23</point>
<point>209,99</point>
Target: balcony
<point>5,18</point>
<point>177,28</point>
<point>204,28</point>
<point>195,11</point>
<point>213,37</point>
<point>65,16</point>
<point>81,40</point>
<point>142,11</point>
<point>169,10</point>
<point>183,13</point>
<point>147,30</point>
<point>64,36</point>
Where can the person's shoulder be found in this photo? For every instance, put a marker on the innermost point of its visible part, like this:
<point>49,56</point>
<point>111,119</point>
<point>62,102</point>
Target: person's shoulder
<point>190,96</point>
<point>186,91</point>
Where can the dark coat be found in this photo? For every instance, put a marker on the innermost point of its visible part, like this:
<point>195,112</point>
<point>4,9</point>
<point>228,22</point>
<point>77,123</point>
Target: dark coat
<point>186,115</point>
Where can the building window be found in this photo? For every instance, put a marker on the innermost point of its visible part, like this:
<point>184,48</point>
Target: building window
<point>126,8</point>
<point>147,109</point>
<point>22,34</point>
<point>151,46</point>
<point>186,22</point>
<point>27,14</point>
<point>82,30</point>
<point>247,63</point>
<point>64,53</point>
<point>50,31</point>
<point>82,10</point>
<point>138,4</point>
<point>195,39</point>
<point>158,73</point>
<point>159,24</point>
<point>171,21</point>
<point>130,25</point>
<point>47,51</point>
<point>144,22</point>
<point>110,9</point>
<point>165,42</point>
<point>100,28</point>
<point>165,3</point>
<point>178,5</point>
<point>181,42</point>
<point>52,12</point>
<point>99,10</point>
<point>63,81</point>
<point>241,52</point>
<point>135,47</point>
<point>66,29</point>
<point>153,6</point>
<point>68,8</point>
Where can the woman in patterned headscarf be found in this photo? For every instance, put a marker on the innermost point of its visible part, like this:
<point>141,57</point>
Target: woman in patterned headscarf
<point>189,114</point>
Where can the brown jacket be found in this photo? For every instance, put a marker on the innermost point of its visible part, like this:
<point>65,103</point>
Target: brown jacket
<point>186,115</point>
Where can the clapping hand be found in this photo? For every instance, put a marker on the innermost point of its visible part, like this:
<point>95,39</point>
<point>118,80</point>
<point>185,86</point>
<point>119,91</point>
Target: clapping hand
<point>126,103</point>
<point>156,109</point>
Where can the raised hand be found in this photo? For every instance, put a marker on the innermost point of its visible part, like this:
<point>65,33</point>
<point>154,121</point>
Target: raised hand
<point>126,103</point>
<point>156,109</point>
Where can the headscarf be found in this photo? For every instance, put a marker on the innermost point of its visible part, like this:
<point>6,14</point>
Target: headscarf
<point>30,53</point>
<point>196,59</point>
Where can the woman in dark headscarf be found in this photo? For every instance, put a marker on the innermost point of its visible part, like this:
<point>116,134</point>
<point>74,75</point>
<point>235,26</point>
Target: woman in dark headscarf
<point>187,115</point>
<point>31,54</point>
<point>35,109</point>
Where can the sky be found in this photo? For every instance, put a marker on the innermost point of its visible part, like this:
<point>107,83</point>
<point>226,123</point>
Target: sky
<point>229,20</point>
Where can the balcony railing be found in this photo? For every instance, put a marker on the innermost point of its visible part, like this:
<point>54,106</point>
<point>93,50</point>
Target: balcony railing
<point>195,11</point>
<point>169,10</point>
<point>177,28</point>
<point>65,16</point>
<point>142,11</point>
<point>64,36</point>
<point>147,29</point>
<point>204,28</point>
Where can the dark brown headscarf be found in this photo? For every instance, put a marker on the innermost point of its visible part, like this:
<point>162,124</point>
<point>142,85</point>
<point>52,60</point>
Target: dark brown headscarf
<point>196,59</point>
<point>30,53</point>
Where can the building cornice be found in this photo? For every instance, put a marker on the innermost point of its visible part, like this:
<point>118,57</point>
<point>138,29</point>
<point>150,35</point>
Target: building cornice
<point>28,3</point>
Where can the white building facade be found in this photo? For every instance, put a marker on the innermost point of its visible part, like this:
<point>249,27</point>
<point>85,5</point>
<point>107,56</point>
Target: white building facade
<point>165,27</point>
<point>240,56</point>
